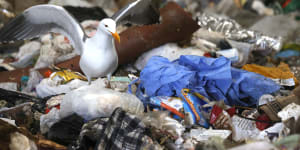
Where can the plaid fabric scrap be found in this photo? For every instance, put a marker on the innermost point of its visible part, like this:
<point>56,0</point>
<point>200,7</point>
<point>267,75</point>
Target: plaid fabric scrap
<point>122,132</point>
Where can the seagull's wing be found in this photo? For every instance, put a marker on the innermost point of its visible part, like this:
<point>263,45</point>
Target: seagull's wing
<point>41,19</point>
<point>138,12</point>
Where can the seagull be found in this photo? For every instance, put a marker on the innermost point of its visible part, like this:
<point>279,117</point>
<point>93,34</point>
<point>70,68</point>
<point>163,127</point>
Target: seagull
<point>98,54</point>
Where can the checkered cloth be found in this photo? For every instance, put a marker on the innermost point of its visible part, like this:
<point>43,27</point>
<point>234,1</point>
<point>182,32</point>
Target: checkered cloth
<point>121,131</point>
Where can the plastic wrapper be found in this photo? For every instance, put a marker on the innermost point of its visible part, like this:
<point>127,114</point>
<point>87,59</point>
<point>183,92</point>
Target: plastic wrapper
<point>64,76</point>
<point>193,108</point>
<point>220,119</point>
<point>62,81</point>
<point>160,120</point>
<point>204,134</point>
<point>264,99</point>
<point>231,54</point>
<point>291,110</point>
<point>190,109</point>
<point>9,86</point>
<point>243,129</point>
<point>172,104</point>
<point>48,87</point>
<point>271,133</point>
<point>232,30</point>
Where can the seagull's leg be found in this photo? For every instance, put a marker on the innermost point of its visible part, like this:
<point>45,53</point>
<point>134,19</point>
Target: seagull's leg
<point>89,80</point>
<point>108,78</point>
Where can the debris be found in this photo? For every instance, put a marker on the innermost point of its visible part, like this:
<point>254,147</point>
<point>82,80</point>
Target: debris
<point>171,51</point>
<point>233,31</point>
<point>291,110</point>
<point>121,131</point>
<point>95,101</point>
<point>48,87</point>
<point>289,142</point>
<point>209,74</point>
<point>281,74</point>
<point>161,121</point>
<point>66,129</point>
<point>15,138</point>
<point>12,86</point>
<point>256,145</point>
<point>204,134</point>
<point>273,107</point>
<point>136,40</point>
<point>215,79</point>
<point>183,27</point>
<point>26,54</point>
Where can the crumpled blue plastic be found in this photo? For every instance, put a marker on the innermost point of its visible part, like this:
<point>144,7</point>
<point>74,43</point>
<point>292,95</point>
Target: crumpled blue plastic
<point>211,77</point>
<point>287,53</point>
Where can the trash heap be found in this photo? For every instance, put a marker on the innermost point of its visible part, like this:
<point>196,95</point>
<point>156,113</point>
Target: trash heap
<point>203,78</point>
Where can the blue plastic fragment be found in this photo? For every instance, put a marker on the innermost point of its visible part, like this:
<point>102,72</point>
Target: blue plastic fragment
<point>287,54</point>
<point>212,78</point>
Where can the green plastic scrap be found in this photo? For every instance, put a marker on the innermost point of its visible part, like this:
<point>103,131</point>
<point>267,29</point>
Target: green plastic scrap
<point>292,6</point>
<point>291,142</point>
<point>120,79</point>
<point>292,46</point>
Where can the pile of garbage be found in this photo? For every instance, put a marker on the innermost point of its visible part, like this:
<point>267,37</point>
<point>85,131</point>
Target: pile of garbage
<point>204,77</point>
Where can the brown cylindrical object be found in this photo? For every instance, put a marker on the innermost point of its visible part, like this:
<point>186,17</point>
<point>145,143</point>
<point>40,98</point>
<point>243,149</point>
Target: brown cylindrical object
<point>176,25</point>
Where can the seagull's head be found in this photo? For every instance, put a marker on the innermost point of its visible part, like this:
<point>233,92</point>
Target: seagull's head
<point>109,26</point>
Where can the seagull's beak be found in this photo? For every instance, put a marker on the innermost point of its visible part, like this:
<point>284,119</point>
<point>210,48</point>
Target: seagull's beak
<point>116,36</point>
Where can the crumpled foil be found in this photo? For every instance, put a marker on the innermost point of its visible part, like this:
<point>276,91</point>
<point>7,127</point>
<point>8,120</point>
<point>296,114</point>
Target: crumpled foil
<point>233,31</point>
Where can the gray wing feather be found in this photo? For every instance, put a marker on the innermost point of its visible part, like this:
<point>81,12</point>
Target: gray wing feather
<point>138,12</point>
<point>41,19</point>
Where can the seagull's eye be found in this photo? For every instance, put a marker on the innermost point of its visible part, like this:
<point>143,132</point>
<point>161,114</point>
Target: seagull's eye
<point>106,26</point>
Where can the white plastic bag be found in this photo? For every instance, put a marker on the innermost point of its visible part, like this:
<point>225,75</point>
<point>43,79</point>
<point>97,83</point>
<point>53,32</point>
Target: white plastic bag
<point>171,51</point>
<point>93,101</point>
<point>48,87</point>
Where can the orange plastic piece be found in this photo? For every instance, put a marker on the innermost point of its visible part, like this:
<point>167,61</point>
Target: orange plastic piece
<point>282,71</point>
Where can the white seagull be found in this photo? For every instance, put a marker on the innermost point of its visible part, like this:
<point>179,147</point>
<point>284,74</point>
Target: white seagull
<point>98,54</point>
